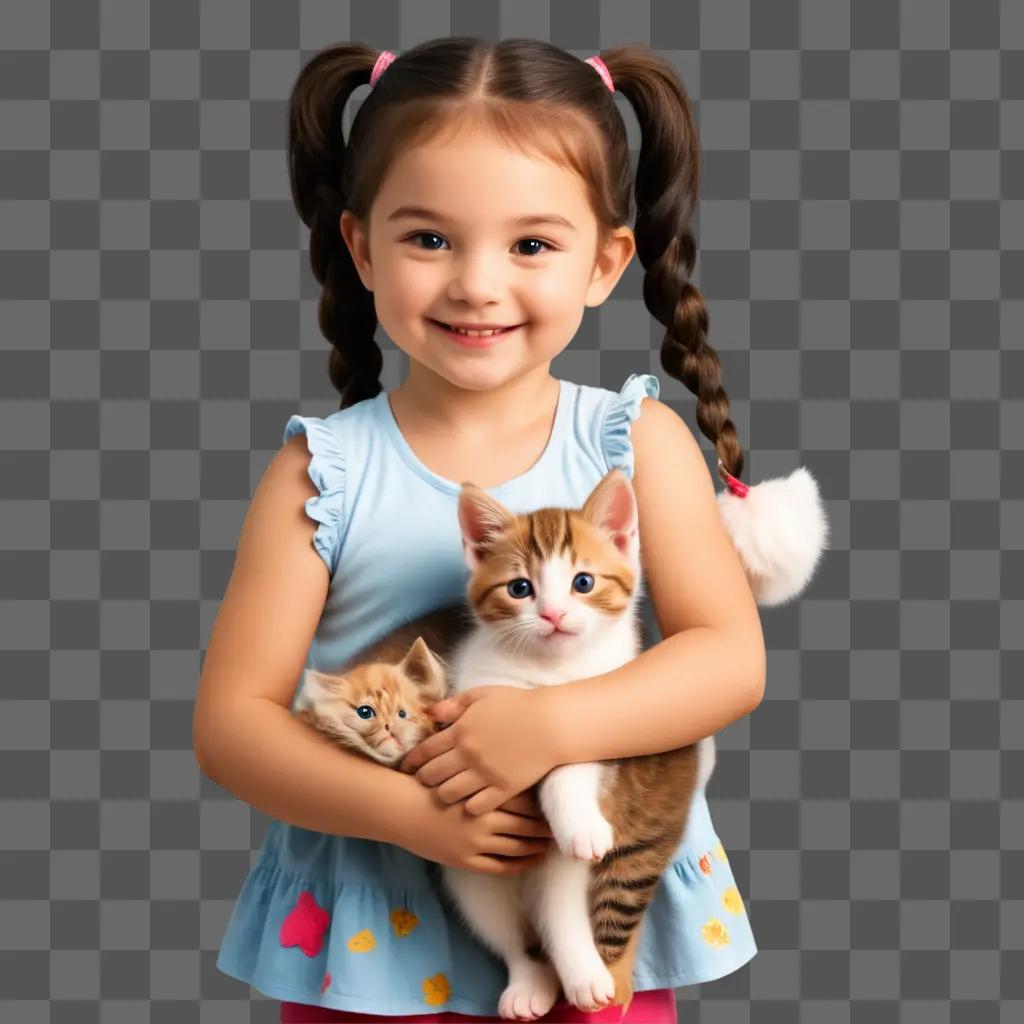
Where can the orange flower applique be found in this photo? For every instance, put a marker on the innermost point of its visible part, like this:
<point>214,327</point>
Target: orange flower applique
<point>719,852</point>
<point>705,864</point>
<point>715,934</point>
<point>436,990</point>
<point>305,925</point>
<point>732,901</point>
<point>362,942</point>
<point>327,983</point>
<point>403,921</point>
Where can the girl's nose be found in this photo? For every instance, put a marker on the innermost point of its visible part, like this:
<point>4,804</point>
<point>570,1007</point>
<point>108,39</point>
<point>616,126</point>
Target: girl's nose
<point>476,279</point>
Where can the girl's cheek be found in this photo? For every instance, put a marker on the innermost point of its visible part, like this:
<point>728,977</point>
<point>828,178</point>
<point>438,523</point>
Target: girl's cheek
<point>552,291</point>
<point>412,290</point>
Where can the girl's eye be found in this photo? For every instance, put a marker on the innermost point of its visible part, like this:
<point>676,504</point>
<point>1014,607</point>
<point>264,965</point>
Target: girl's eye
<point>583,582</point>
<point>544,245</point>
<point>520,588</point>
<point>425,234</point>
<point>401,714</point>
<point>365,712</point>
<point>431,234</point>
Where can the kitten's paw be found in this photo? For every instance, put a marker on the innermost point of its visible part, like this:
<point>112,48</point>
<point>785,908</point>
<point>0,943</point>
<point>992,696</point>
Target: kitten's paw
<point>590,990</point>
<point>587,839</point>
<point>531,992</point>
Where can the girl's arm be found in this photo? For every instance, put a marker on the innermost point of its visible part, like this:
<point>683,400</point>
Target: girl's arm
<point>709,670</point>
<point>244,734</point>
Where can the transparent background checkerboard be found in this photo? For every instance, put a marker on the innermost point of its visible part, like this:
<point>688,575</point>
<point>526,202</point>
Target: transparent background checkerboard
<point>861,233</point>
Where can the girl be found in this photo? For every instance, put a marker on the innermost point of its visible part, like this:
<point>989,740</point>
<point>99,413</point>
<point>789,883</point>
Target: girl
<point>479,204</point>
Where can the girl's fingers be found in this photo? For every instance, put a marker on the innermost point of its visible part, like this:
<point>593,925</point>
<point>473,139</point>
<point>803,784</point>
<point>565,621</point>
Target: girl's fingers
<point>512,846</point>
<point>440,768</point>
<point>461,786</point>
<point>517,825</point>
<point>525,803</point>
<point>496,865</point>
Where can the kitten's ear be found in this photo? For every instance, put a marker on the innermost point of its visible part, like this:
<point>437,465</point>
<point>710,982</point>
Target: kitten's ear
<point>612,507</point>
<point>425,670</point>
<point>480,518</point>
<point>317,686</point>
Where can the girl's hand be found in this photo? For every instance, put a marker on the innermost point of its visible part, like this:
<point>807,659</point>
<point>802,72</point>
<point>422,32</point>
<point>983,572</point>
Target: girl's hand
<point>500,742</point>
<point>507,841</point>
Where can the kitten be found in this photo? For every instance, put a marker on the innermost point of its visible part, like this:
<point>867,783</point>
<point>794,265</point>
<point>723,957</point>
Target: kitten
<point>554,595</point>
<point>376,704</point>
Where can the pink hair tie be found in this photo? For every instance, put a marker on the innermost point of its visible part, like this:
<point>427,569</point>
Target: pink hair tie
<point>381,65</point>
<point>602,69</point>
<point>738,487</point>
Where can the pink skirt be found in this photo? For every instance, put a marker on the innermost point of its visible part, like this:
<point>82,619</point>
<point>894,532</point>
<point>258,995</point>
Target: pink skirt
<point>654,1006</point>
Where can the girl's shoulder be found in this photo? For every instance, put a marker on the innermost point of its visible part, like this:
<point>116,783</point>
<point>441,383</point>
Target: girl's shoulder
<point>338,444</point>
<point>604,417</point>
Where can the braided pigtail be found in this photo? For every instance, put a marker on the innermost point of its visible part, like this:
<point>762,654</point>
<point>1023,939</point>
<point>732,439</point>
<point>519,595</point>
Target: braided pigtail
<point>316,166</point>
<point>779,527</point>
<point>667,185</point>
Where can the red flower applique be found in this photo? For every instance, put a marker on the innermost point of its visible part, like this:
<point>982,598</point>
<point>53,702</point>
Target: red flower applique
<point>305,925</point>
<point>327,983</point>
<point>705,864</point>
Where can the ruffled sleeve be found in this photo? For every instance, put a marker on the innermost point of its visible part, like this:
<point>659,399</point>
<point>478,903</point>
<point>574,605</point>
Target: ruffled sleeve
<point>327,471</point>
<point>620,412</point>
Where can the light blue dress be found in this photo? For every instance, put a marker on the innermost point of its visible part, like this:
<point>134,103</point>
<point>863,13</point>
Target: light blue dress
<point>358,925</point>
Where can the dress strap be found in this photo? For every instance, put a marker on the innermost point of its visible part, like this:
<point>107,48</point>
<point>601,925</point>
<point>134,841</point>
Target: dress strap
<point>622,409</point>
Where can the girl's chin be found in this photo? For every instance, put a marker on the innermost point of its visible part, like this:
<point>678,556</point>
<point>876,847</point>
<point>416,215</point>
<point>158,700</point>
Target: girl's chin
<point>475,374</point>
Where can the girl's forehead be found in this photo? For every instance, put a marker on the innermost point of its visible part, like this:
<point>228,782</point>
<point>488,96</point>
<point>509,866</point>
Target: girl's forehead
<point>477,176</point>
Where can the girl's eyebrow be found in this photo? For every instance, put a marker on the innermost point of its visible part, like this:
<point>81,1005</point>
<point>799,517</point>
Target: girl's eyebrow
<point>421,212</point>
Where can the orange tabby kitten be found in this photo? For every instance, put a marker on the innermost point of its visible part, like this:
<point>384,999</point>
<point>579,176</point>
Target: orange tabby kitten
<point>376,704</point>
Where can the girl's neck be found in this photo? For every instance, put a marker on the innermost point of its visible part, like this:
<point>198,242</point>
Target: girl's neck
<point>429,404</point>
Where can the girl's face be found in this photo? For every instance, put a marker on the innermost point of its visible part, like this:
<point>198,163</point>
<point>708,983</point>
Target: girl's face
<point>451,239</point>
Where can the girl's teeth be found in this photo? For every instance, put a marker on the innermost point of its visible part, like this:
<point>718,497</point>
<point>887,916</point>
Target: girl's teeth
<point>477,334</point>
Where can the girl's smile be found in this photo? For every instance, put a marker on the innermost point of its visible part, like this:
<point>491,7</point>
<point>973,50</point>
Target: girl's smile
<point>488,340</point>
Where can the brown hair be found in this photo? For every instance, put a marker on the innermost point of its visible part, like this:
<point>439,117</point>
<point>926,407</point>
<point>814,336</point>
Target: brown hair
<point>539,98</point>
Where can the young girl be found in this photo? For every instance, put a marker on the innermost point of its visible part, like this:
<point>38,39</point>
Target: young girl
<point>482,187</point>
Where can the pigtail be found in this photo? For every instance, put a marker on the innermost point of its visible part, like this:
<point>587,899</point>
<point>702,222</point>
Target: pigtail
<point>316,166</point>
<point>667,186</point>
<point>778,527</point>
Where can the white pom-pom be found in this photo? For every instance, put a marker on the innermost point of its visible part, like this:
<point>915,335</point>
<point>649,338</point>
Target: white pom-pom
<point>779,529</point>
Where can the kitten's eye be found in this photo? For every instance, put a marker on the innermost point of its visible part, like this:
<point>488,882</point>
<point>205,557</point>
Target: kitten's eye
<point>365,712</point>
<point>583,582</point>
<point>520,588</point>
<point>401,714</point>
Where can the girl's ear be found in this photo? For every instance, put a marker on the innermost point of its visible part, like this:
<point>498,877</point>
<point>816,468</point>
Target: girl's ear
<point>612,259</point>
<point>355,235</point>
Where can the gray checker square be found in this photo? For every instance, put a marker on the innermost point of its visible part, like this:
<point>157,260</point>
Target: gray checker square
<point>861,252</point>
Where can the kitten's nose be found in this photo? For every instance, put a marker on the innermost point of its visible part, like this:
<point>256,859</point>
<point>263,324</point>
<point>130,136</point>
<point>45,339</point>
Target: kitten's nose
<point>552,616</point>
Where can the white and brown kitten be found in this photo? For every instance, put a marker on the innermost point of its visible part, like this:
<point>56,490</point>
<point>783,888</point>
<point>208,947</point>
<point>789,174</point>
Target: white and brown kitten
<point>554,595</point>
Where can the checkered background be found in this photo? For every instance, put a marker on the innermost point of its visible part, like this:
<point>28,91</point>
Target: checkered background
<point>861,235</point>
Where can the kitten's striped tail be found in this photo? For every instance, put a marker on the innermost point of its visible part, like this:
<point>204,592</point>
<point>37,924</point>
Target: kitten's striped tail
<point>622,886</point>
